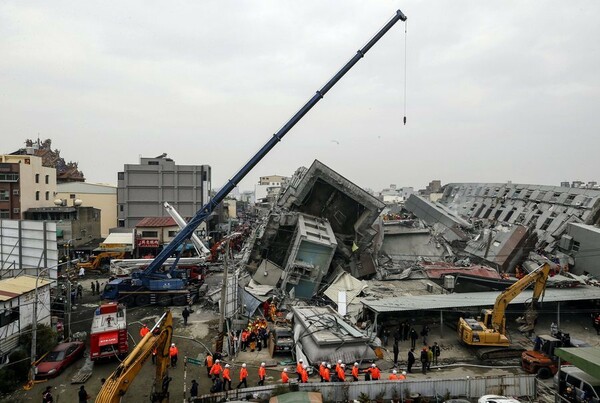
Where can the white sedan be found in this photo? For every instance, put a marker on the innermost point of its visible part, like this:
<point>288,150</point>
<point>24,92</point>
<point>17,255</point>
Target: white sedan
<point>496,399</point>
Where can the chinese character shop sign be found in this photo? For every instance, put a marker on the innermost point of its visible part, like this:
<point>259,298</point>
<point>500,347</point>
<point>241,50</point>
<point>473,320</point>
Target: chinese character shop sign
<point>147,243</point>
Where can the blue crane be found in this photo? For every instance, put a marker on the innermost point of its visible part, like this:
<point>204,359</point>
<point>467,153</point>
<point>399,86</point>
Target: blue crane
<point>150,277</point>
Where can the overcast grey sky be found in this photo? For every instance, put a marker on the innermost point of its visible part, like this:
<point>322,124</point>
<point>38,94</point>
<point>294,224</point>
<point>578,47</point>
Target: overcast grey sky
<point>497,91</point>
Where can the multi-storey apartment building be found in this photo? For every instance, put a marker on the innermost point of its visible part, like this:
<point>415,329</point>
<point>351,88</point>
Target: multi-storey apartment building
<point>142,188</point>
<point>24,183</point>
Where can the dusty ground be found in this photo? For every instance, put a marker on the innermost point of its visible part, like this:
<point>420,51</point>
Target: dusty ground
<point>194,339</point>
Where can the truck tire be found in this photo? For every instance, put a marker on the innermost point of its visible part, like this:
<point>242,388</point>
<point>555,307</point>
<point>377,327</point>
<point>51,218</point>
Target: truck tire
<point>142,300</point>
<point>104,268</point>
<point>180,300</point>
<point>163,300</point>
<point>544,373</point>
<point>128,301</point>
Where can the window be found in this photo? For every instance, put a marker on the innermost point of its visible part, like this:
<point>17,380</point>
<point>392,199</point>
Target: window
<point>37,195</point>
<point>47,195</point>
<point>9,315</point>
<point>121,176</point>
<point>4,213</point>
<point>149,234</point>
<point>121,207</point>
<point>576,246</point>
<point>47,179</point>
<point>4,195</point>
<point>72,196</point>
<point>9,177</point>
<point>546,224</point>
<point>37,178</point>
<point>173,234</point>
<point>121,223</point>
<point>152,162</point>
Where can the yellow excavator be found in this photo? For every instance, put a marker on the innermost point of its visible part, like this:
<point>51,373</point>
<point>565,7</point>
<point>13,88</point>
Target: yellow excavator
<point>158,338</point>
<point>491,331</point>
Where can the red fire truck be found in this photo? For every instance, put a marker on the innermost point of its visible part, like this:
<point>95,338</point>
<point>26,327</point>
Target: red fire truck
<point>108,337</point>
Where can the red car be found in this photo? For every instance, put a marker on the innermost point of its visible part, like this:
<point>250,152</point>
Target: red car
<point>58,359</point>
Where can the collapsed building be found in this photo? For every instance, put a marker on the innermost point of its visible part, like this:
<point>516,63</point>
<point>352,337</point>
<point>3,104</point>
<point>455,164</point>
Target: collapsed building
<point>321,220</point>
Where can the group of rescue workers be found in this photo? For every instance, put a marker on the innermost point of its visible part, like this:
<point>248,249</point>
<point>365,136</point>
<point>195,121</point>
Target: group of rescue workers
<point>222,379</point>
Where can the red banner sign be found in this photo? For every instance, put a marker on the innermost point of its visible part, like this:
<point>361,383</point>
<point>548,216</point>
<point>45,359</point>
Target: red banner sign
<point>108,338</point>
<point>147,243</point>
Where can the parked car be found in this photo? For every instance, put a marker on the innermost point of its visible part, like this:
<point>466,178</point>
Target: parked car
<point>281,340</point>
<point>496,399</point>
<point>60,358</point>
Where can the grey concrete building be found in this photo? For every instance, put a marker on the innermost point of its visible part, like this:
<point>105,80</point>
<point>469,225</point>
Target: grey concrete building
<point>544,209</point>
<point>581,241</point>
<point>143,187</point>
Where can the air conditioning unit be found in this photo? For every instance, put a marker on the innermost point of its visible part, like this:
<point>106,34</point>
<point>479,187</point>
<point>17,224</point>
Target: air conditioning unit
<point>16,210</point>
<point>15,192</point>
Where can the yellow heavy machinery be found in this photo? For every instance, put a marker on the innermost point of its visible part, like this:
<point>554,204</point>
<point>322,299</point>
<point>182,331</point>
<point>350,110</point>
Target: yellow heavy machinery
<point>491,330</point>
<point>101,261</point>
<point>158,338</point>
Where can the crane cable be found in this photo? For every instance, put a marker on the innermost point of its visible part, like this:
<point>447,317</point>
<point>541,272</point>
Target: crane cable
<point>405,34</point>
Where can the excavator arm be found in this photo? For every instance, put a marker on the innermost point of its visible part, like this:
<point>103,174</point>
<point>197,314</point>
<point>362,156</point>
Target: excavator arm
<point>158,338</point>
<point>538,276</point>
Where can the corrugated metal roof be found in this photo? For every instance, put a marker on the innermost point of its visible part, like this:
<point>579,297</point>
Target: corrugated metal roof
<point>86,187</point>
<point>157,222</point>
<point>585,358</point>
<point>473,299</point>
<point>15,286</point>
<point>119,238</point>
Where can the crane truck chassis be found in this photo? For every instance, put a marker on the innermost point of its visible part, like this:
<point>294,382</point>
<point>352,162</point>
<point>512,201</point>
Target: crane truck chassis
<point>489,336</point>
<point>153,286</point>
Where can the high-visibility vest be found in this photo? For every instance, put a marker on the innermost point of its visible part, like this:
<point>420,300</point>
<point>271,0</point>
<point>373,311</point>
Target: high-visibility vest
<point>284,377</point>
<point>173,351</point>
<point>226,374</point>
<point>262,372</point>
<point>393,377</point>
<point>243,374</point>
<point>341,374</point>
<point>355,371</point>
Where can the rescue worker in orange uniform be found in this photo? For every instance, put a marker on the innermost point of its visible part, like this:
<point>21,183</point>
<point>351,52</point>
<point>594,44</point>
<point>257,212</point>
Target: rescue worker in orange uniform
<point>402,376</point>
<point>375,372</point>
<point>284,376</point>
<point>304,375</point>
<point>262,374</point>
<point>327,373</point>
<point>321,369</point>
<point>216,370</point>
<point>393,376</point>
<point>144,330</point>
<point>299,369</point>
<point>173,353</point>
<point>355,372</point>
<point>208,361</point>
<point>243,377</point>
<point>226,378</point>
<point>341,373</point>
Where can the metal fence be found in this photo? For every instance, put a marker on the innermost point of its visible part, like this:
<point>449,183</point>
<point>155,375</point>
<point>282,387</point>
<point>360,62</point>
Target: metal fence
<point>440,389</point>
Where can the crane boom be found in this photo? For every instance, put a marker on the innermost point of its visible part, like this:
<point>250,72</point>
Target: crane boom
<point>539,276</point>
<point>200,247</point>
<point>208,208</point>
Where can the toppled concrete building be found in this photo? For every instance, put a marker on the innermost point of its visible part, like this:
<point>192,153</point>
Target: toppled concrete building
<point>321,220</point>
<point>323,335</point>
<point>501,247</point>
<point>322,192</point>
<point>311,252</point>
<point>546,211</point>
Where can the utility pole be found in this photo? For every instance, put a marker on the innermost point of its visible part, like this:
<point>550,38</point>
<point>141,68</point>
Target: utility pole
<point>223,299</point>
<point>67,331</point>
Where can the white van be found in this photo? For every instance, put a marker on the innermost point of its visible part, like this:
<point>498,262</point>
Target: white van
<point>582,383</point>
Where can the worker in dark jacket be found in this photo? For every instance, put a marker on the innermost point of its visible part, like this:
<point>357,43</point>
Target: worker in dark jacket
<point>411,360</point>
